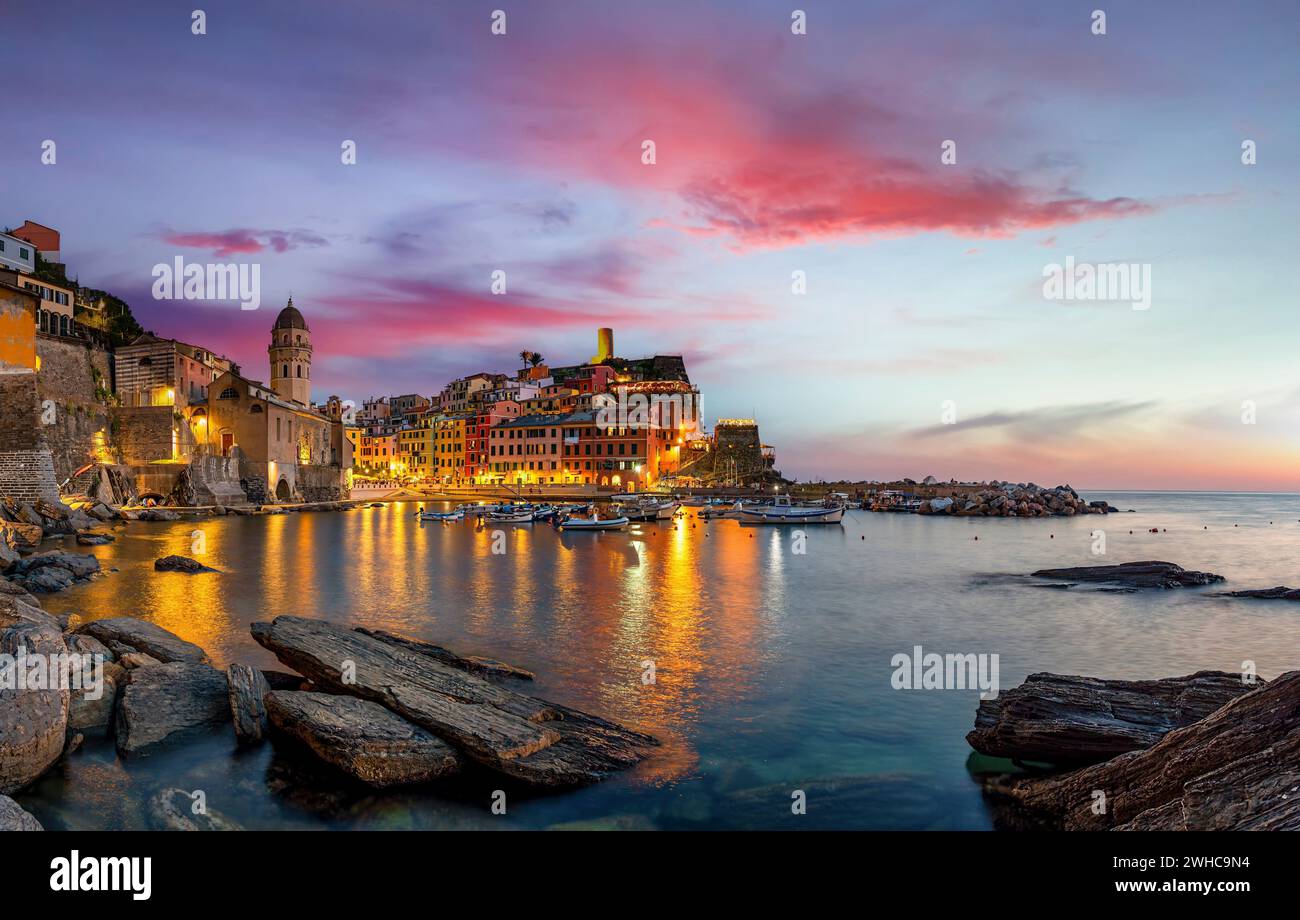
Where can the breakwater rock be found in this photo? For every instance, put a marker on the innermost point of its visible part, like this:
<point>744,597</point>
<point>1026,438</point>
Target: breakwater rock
<point>1011,500</point>
<point>1149,574</point>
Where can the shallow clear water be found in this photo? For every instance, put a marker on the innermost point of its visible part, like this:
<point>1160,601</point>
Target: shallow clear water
<point>773,667</point>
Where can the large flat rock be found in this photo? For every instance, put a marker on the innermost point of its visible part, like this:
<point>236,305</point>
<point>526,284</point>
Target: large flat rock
<point>164,702</point>
<point>362,738</point>
<point>1070,720</point>
<point>1134,575</point>
<point>143,636</point>
<point>1234,769</point>
<point>474,664</point>
<point>524,737</point>
<point>33,723</point>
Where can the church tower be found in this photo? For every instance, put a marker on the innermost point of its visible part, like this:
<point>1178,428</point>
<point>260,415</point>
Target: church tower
<point>290,352</point>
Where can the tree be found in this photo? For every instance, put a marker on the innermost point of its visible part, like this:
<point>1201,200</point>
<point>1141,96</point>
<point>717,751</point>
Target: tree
<point>535,358</point>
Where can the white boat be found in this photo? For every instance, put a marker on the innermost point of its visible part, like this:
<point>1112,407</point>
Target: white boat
<point>696,502</point>
<point>480,508</point>
<point>525,516</point>
<point>456,515</point>
<point>782,512</point>
<point>666,510</point>
<point>573,523</point>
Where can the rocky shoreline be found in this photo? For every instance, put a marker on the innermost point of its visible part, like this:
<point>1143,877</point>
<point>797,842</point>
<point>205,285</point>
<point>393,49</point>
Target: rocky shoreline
<point>24,526</point>
<point>380,708</point>
<point>1209,751</point>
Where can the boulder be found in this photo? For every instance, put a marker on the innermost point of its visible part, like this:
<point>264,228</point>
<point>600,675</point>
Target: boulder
<point>362,738</point>
<point>33,723</point>
<point>530,739</point>
<point>179,564</point>
<point>132,660</point>
<point>1069,720</point>
<point>247,687</point>
<point>141,635</point>
<point>178,810</point>
<point>14,818</point>
<point>94,539</point>
<point>53,571</point>
<point>1134,575</point>
<point>164,702</point>
<point>1237,768</point>
<point>22,537</point>
<point>93,707</point>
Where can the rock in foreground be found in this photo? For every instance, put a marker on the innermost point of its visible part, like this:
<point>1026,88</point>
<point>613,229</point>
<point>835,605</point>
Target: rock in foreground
<point>127,634</point>
<point>166,701</point>
<point>530,739</point>
<point>178,810</point>
<point>1235,769</point>
<point>361,738</point>
<point>474,664</point>
<point>248,690</point>
<point>33,723</point>
<point>1070,720</point>
<point>1134,575</point>
<point>14,818</point>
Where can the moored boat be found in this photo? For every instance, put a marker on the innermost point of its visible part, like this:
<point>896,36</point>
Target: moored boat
<point>781,511</point>
<point>456,515</point>
<point>617,523</point>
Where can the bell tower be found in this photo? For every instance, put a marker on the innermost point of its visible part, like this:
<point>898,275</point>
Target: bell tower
<point>290,352</point>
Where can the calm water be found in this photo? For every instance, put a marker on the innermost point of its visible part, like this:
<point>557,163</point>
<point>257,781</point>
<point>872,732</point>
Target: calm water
<point>773,668</point>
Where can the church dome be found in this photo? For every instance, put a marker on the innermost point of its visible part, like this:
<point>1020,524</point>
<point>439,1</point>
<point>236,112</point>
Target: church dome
<point>290,318</point>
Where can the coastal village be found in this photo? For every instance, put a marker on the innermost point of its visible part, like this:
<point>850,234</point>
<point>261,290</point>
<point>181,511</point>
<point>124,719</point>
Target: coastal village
<point>98,411</point>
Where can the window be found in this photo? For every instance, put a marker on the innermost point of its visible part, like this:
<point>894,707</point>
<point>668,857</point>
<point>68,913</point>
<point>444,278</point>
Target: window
<point>229,393</point>
<point>284,370</point>
<point>255,409</point>
<point>23,254</point>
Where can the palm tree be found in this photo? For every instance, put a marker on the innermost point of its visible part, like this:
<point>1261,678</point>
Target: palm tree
<point>524,355</point>
<point>535,358</point>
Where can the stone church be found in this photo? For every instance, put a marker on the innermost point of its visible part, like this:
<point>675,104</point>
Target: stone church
<point>285,448</point>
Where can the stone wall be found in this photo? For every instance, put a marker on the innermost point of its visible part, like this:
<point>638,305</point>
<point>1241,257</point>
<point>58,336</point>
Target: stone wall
<point>143,435</point>
<point>18,412</point>
<point>26,475</point>
<point>71,370</point>
<point>320,483</point>
<point>74,421</point>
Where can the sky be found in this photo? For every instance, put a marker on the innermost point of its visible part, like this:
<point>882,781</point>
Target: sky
<point>922,342</point>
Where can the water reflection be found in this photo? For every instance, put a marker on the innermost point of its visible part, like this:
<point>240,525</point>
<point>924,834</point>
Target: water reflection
<point>771,665</point>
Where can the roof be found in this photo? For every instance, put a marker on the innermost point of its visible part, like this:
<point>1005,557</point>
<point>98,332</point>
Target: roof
<point>290,318</point>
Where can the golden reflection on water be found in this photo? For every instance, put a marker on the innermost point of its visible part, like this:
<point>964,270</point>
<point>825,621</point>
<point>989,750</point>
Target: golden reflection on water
<point>583,610</point>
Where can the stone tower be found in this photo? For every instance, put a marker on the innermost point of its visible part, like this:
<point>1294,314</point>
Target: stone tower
<point>290,352</point>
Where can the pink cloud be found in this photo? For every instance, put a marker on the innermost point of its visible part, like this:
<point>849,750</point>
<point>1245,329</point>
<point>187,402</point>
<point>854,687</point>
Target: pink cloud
<point>225,243</point>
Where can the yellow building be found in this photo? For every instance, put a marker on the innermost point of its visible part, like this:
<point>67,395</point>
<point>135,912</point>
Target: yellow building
<point>449,448</point>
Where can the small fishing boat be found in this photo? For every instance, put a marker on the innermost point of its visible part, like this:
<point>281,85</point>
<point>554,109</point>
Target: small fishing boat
<point>576,523</point>
<point>478,508</point>
<point>781,511</point>
<point>695,502</point>
<point>664,510</point>
<point>638,513</point>
<point>514,516</point>
<point>456,515</point>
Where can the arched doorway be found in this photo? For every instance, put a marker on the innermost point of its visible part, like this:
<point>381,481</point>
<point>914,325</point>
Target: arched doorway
<point>282,493</point>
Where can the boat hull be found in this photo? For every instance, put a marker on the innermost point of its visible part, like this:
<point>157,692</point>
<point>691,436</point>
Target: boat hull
<point>791,515</point>
<point>587,524</point>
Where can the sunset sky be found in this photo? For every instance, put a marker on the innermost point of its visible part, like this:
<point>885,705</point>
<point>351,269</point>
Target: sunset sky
<point>776,153</point>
